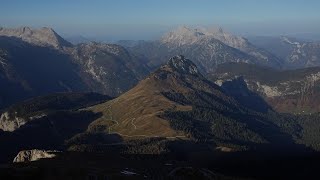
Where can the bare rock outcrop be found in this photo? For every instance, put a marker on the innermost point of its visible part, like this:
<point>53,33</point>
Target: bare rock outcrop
<point>34,155</point>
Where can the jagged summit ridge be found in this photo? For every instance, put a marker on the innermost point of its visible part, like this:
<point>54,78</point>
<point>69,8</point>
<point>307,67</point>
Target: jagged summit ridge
<point>187,35</point>
<point>41,37</point>
<point>181,64</point>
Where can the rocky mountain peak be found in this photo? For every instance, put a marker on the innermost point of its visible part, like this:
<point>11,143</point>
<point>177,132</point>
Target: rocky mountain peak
<point>41,37</point>
<point>187,35</point>
<point>181,64</point>
<point>182,35</point>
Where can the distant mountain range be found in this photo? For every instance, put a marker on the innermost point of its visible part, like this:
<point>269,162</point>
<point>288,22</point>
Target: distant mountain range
<point>295,53</point>
<point>207,48</point>
<point>38,61</point>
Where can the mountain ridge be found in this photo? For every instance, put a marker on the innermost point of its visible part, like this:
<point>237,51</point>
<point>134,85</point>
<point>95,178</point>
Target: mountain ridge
<point>32,66</point>
<point>174,103</point>
<point>187,35</point>
<point>43,37</point>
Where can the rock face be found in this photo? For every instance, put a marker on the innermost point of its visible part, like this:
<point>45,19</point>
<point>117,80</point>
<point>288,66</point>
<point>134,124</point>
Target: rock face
<point>293,91</point>
<point>107,68</point>
<point>41,37</point>
<point>34,155</point>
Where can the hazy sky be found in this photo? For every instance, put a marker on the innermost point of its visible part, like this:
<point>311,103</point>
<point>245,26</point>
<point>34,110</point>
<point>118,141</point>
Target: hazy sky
<point>145,19</point>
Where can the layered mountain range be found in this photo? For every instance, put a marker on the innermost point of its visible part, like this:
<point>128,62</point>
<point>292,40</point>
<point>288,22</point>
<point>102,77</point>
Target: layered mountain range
<point>228,98</point>
<point>209,47</point>
<point>38,61</point>
<point>224,103</point>
<point>175,103</point>
<point>172,119</point>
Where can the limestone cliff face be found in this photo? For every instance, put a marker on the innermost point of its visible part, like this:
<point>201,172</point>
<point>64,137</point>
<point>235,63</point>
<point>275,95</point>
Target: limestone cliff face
<point>8,123</point>
<point>11,121</point>
<point>34,155</point>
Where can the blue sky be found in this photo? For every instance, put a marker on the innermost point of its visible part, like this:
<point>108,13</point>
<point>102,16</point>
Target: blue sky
<point>143,19</point>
